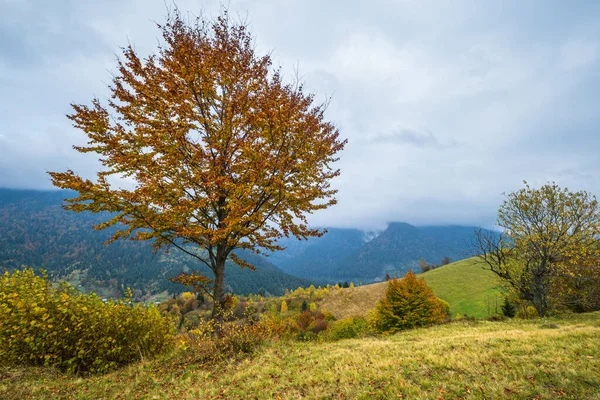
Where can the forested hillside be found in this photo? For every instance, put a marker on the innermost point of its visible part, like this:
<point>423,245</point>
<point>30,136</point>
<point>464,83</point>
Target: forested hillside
<point>35,231</point>
<point>348,255</point>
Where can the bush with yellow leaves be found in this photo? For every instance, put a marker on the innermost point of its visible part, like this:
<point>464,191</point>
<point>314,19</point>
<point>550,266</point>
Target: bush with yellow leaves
<point>41,324</point>
<point>408,303</point>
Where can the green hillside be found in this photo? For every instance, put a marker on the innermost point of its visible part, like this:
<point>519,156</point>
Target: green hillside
<point>465,285</point>
<point>520,359</point>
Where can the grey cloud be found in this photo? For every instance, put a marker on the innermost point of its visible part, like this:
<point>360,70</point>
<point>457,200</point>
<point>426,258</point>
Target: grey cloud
<point>415,138</point>
<point>488,93</point>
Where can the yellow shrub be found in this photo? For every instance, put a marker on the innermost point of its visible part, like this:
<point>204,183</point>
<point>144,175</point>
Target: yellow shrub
<point>45,325</point>
<point>185,296</point>
<point>526,312</point>
<point>349,328</point>
<point>408,303</point>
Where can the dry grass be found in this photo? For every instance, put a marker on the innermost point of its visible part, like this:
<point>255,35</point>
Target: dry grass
<point>492,360</point>
<point>348,302</point>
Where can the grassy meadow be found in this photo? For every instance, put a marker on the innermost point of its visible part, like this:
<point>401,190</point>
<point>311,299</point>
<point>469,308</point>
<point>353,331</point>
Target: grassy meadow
<point>464,359</point>
<point>465,285</point>
<point>516,359</point>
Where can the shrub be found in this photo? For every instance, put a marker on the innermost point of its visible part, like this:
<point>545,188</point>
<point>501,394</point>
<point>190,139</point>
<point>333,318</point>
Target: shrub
<point>408,303</point>
<point>278,327</point>
<point>526,312</point>
<point>304,320</point>
<point>41,324</point>
<point>204,345</point>
<point>508,309</point>
<point>318,326</point>
<point>445,307</point>
<point>349,328</point>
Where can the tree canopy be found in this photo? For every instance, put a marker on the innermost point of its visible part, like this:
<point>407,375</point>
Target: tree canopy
<point>223,153</point>
<point>551,236</point>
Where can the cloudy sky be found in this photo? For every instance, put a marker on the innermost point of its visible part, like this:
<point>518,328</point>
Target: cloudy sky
<point>446,104</point>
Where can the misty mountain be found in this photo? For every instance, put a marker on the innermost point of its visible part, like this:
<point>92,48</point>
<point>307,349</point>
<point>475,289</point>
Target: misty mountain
<point>347,255</point>
<point>318,256</point>
<point>36,232</point>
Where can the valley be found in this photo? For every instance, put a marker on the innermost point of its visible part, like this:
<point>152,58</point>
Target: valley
<point>36,232</point>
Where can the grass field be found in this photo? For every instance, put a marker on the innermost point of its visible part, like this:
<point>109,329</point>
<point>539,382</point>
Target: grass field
<point>465,285</point>
<point>552,359</point>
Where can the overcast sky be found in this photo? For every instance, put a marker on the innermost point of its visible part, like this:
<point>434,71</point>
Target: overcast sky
<point>446,104</point>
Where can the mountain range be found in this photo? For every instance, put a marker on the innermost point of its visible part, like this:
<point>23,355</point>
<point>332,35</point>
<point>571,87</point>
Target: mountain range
<point>353,255</point>
<point>35,231</point>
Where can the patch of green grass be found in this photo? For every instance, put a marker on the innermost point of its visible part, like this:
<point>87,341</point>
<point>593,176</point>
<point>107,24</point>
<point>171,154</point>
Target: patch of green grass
<point>465,285</point>
<point>162,296</point>
<point>511,359</point>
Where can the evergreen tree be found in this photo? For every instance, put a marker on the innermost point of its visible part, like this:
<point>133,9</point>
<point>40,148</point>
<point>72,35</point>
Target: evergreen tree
<point>508,308</point>
<point>304,306</point>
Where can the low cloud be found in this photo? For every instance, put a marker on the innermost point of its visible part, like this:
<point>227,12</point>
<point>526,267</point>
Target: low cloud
<point>415,138</point>
<point>445,105</point>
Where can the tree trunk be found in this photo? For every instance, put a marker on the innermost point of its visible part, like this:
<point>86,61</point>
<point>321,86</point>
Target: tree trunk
<point>540,300</point>
<point>539,306</point>
<point>219,289</point>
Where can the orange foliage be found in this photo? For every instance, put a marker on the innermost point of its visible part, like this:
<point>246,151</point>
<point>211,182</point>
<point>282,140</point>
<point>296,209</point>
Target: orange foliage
<point>224,154</point>
<point>408,303</point>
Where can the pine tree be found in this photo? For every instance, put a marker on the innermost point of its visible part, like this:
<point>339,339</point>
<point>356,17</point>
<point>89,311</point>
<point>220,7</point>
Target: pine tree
<point>508,308</point>
<point>304,306</point>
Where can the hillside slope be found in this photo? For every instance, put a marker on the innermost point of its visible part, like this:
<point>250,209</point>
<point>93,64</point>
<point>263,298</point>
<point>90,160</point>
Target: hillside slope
<point>36,232</point>
<point>465,285</point>
<point>492,360</point>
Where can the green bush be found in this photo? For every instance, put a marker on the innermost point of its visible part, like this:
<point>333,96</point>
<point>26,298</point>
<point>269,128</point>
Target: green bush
<point>41,324</point>
<point>349,328</point>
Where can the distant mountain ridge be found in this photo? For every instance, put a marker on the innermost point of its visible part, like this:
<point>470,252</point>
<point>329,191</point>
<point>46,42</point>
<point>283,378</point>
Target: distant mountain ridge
<point>35,231</point>
<point>344,254</point>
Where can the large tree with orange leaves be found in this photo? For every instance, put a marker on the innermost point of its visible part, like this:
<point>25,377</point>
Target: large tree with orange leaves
<point>224,154</point>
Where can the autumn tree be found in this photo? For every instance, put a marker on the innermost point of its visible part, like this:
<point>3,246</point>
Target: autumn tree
<point>408,303</point>
<point>550,235</point>
<point>223,153</point>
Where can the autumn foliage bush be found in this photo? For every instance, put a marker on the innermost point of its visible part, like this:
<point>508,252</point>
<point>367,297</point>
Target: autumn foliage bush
<point>212,341</point>
<point>349,328</point>
<point>42,324</point>
<point>408,303</point>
